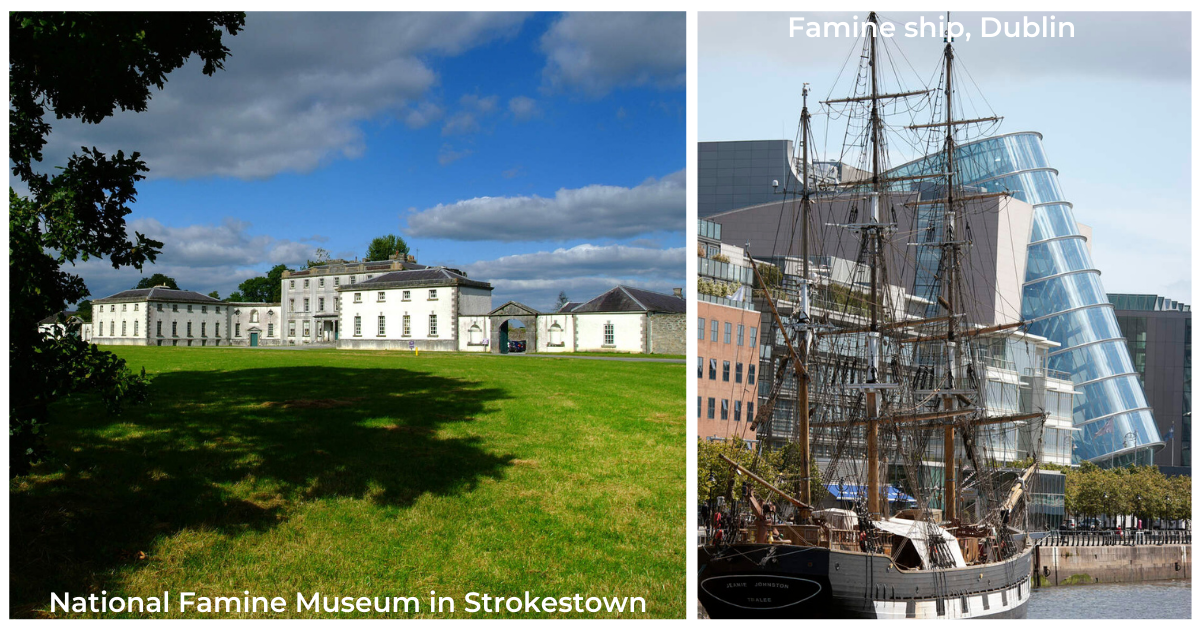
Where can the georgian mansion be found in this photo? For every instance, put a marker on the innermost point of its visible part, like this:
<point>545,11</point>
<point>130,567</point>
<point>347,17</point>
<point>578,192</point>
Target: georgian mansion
<point>391,305</point>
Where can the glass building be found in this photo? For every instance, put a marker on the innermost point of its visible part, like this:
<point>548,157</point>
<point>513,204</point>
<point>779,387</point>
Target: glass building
<point>1062,298</point>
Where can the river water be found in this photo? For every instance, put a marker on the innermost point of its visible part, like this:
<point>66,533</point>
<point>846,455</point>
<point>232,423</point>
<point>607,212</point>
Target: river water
<point>1145,600</point>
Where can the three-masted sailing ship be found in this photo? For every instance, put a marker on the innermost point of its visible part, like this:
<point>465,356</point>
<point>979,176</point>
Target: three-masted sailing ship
<point>879,376</point>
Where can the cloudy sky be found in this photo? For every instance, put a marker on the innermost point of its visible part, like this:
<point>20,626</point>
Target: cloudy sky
<point>542,152</point>
<point>1114,105</point>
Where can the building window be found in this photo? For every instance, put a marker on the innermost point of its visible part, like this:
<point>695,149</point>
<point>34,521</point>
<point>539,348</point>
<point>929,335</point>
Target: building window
<point>291,304</point>
<point>724,408</point>
<point>189,329</point>
<point>158,329</point>
<point>159,307</point>
<point>270,330</point>
<point>122,328</point>
<point>306,283</point>
<point>737,373</point>
<point>321,283</point>
<point>112,309</point>
<point>433,326</point>
<point>337,281</point>
<point>749,412</point>
<point>701,329</point>
<point>291,284</point>
<point>307,330</point>
<point>406,325</point>
<point>714,330</point>
<point>712,369</point>
<point>700,367</point>
<point>237,329</point>
<point>352,280</point>
<point>112,328</point>
<point>357,298</point>
<point>189,308</point>
<point>728,332</point>
<point>712,407</point>
<point>753,336</point>
<point>204,308</point>
<point>123,307</point>
<point>292,328</point>
<point>305,305</point>
<point>406,296</point>
<point>203,329</point>
<point>135,308</point>
<point>174,329</point>
<point>217,329</point>
<point>433,294</point>
<point>254,316</point>
<point>218,309</point>
<point>725,371</point>
<point>737,411</point>
<point>609,334</point>
<point>750,374</point>
<point>382,326</point>
<point>174,308</point>
<point>321,304</point>
<point>741,334</point>
<point>358,325</point>
<point>700,404</point>
<point>381,296</point>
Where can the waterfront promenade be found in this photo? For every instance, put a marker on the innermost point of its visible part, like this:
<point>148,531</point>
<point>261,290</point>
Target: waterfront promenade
<point>1071,558</point>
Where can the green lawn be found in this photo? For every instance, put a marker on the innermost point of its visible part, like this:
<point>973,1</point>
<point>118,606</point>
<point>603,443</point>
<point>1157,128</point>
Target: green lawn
<point>362,474</point>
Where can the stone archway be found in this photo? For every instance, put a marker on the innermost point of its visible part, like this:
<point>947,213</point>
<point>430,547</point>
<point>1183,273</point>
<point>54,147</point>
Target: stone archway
<point>513,311</point>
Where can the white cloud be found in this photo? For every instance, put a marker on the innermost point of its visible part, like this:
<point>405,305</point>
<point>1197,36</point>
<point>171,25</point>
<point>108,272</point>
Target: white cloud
<point>523,107</point>
<point>481,104</point>
<point>294,90</point>
<point>594,211</point>
<point>459,123</point>
<point>447,154</point>
<point>597,52</point>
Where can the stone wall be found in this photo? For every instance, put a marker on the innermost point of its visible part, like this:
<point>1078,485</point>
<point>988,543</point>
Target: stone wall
<point>1064,566</point>
<point>668,333</point>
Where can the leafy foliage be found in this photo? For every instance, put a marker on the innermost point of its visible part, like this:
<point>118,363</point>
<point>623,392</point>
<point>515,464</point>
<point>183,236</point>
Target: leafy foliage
<point>157,280</point>
<point>85,66</point>
<point>383,247</point>
<point>1142,491</point>
<point>83,310</point>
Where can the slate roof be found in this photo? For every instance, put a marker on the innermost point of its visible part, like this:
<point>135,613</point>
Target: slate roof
<point>343,267</point>
<point>568,307</point>
<point>54,318</point>
<point>429,277</point>
<point>157,294</point>
<point>621,299</point>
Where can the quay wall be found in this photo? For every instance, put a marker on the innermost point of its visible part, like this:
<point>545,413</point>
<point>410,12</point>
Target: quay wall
<point>1069,565</point>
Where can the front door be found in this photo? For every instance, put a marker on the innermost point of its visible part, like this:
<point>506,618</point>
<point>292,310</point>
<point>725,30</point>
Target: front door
<point>504,338</point>
<point>253,339</point>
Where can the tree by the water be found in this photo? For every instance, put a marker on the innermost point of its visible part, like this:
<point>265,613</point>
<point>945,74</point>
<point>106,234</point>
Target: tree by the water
<point>383,247</point>
<point>155,280</point>
<point>83,66</point>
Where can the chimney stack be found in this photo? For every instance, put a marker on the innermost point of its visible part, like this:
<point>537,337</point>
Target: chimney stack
<point>678,292</point>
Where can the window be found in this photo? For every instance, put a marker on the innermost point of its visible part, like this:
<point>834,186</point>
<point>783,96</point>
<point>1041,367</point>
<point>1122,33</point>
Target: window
<point>406,295</point>
<point>712,369</point>
<point>218,309</point>
<point>305,305</point>
<point>724,408</point>
<point>357,298</point>
<point>189,329</point>
<point>357,325</point>
<point>112,328</point>
<point>291,328</point>
<point>189,308</point>
<point>700,367</point>
<point>159,307</point>
<point>753,336</point>
<point>716,325</point>
<point>741,334</point>
<point>749,412</point>
<point>135,308</point>
<point>433,326</point>
<point>321,304</point>
<point>701,329</point>
<point>291,304</point>
<point>174,329</point>
<point>725,371</point>
<point>122,328</point>
<point>112,309</point>
<point>712,408</point>
<point>750,374</point>
<point>158,329</point>
<point>352,280</point>
<point>433,294</point>
<point>306,283</point>
<point>254,316</point>
<point>737,411</point>
<point>270,330</point>
<point>237,329</point>
<point>203,329</point>
<point>337,281</point>
<point>728,332</point>
<point>699,402</point>
<point>123,307</point>
<point>306,328</point>
<point>216,329</point>
<point>204,308</point>
<point>174,308</point>
<point>737,378</point>
<point>321,283</point>
<point>381,296</point>
<point>609,334</point>
<point>382,326</point>
<point>406,322</point>
<point>291,284</point>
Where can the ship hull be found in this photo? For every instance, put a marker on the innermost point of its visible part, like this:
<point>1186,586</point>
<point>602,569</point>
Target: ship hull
<point>792,582</point>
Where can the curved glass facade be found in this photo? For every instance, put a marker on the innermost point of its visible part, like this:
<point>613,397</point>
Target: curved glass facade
<point>1063,298</point>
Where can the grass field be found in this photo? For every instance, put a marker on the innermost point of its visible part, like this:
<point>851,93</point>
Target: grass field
<point>362,474</point>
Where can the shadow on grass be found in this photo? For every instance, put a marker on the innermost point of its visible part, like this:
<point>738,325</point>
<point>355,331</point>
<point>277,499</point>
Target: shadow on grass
<point>233,451</point>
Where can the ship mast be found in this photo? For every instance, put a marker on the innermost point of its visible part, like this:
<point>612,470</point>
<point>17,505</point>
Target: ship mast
<point>872,236</point>
<point>950,467</point>
<point>802,374</point>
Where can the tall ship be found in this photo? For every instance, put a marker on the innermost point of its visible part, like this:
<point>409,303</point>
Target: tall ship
<point>883,336</point>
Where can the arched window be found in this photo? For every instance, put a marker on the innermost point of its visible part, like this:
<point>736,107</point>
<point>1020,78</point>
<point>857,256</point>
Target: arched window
<point>254,316</point>
<point>475,335</point>
<point>556,334</point>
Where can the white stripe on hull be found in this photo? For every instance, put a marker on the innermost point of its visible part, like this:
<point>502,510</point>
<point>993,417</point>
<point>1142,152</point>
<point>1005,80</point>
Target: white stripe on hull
<point>953,607</point>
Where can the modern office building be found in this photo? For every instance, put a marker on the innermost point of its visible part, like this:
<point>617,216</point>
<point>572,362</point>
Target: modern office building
<point>727,343</point>
<point>739,174</point>
<point>1056,288</point>
<point>1158,333</point>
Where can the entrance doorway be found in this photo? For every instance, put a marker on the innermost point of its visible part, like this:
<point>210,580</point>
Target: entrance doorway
<point>513,338</point>
<point>253,339</point>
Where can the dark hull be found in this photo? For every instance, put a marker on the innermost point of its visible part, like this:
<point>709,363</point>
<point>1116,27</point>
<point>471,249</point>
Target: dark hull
<point>790,582</point>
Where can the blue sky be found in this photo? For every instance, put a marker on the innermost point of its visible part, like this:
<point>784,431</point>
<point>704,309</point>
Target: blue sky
<point>540,152</point>
<point>1113,104</point>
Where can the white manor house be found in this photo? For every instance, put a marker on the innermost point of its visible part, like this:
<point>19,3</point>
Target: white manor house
<point>391,305</point>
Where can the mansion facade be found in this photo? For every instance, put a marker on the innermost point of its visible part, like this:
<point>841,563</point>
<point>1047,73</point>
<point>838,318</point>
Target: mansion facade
<point>392,305</point>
